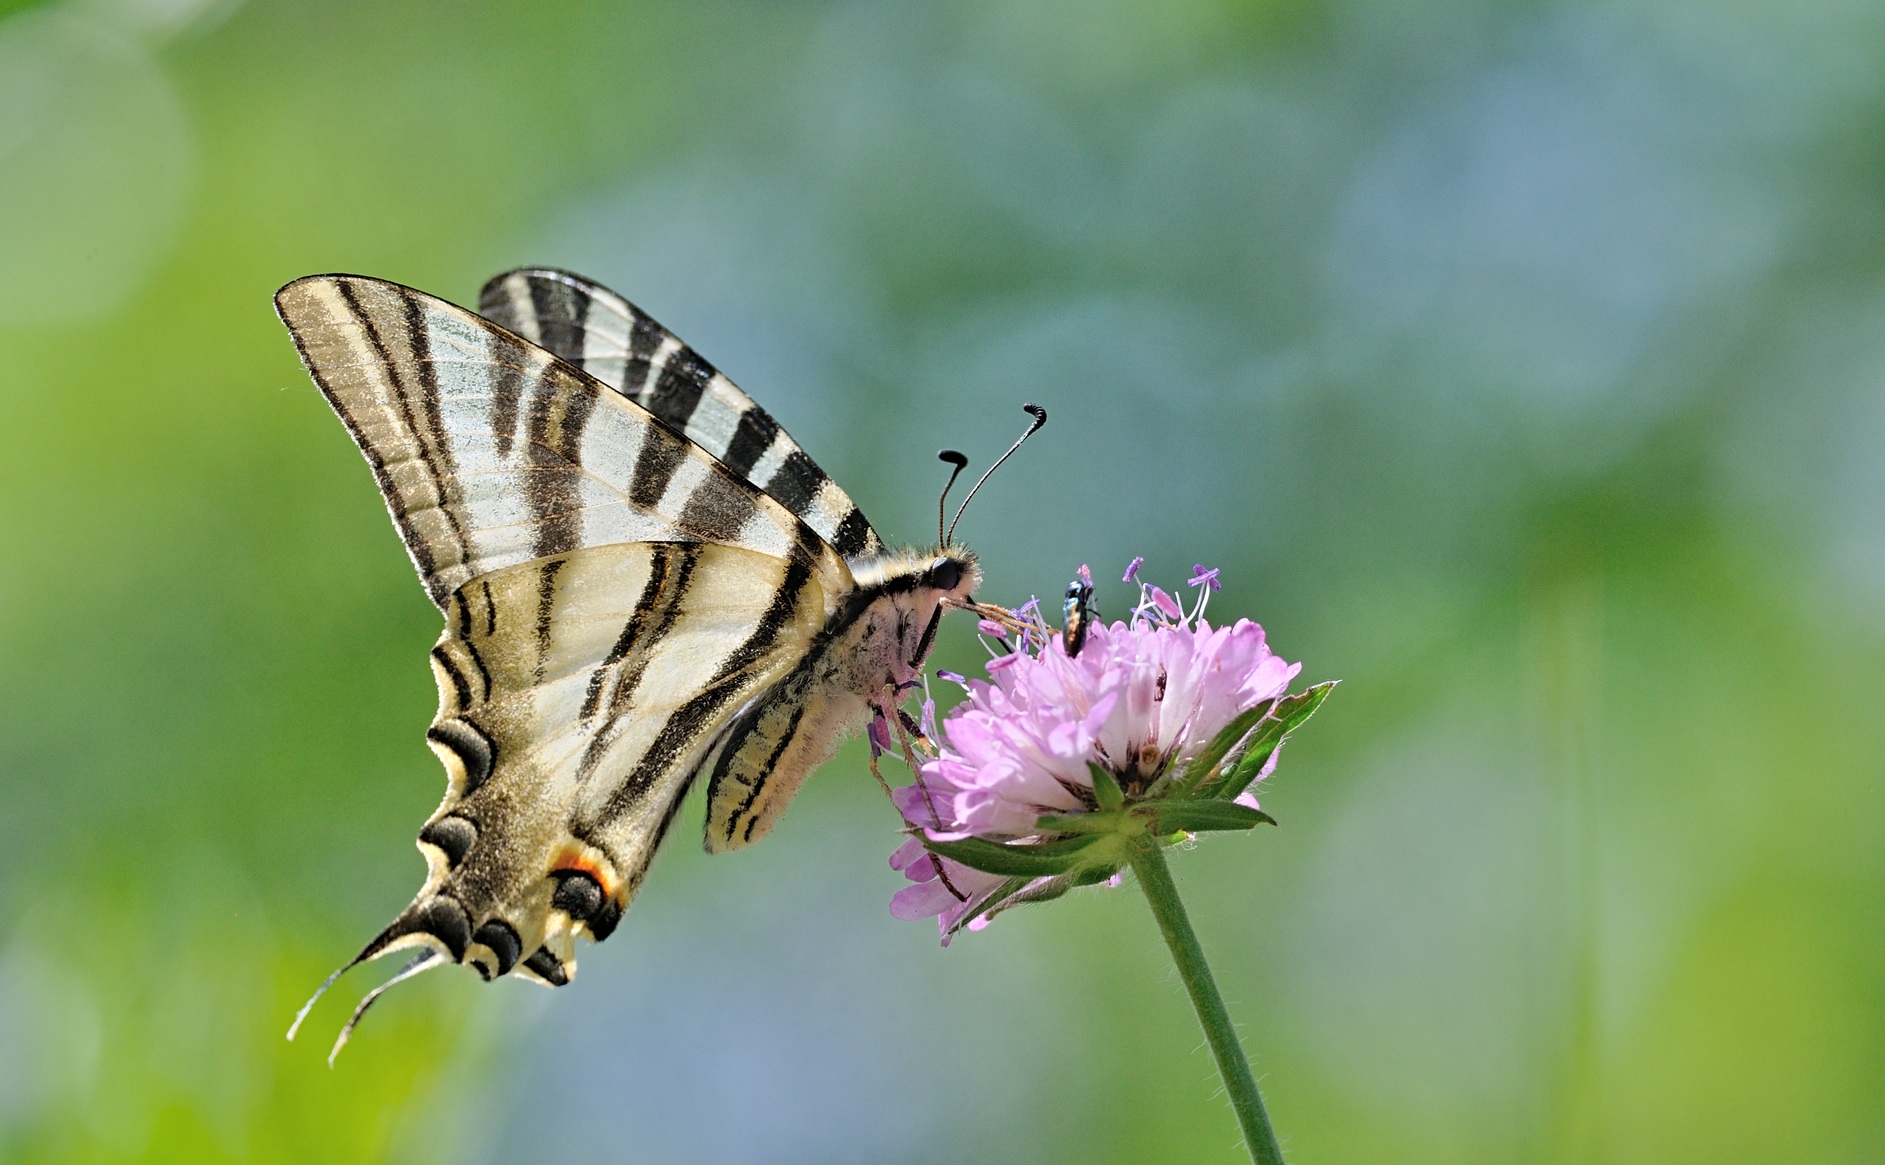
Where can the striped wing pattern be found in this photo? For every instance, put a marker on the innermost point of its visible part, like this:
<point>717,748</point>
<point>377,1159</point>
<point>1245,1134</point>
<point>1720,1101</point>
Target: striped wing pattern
<point>489,452</point>
<point>596,330</point>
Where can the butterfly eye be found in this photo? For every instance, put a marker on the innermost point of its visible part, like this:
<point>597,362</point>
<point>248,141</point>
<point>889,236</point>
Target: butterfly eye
<point>945,574</point>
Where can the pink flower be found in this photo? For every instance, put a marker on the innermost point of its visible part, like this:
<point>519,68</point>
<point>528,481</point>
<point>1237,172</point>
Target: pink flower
<point>1141,700</point>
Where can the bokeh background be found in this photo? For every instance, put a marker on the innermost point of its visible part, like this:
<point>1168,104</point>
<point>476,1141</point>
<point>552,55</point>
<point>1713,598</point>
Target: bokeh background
<point>1521,363</point>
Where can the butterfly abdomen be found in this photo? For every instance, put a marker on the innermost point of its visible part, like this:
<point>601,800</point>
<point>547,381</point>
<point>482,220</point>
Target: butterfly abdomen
<point>866,651</point>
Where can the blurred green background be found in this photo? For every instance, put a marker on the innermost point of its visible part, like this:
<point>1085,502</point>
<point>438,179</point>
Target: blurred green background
<point>1523,364</point>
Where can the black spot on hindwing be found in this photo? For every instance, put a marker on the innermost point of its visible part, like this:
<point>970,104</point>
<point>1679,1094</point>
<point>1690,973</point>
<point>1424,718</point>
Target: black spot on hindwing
<point>577,894</point>
<point>501,938</point>
<point>471,746</point>
<point>580,896</point>
<point>454,836</point>
<point>444,919</point>
<point>603,924</point>
<point>548,966</point>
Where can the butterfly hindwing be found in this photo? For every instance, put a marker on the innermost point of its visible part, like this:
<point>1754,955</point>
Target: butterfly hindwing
<point>578,695</point>
<point>596,330</point>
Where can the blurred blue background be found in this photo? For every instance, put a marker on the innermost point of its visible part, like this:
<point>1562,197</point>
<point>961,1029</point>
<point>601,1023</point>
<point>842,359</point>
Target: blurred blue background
<point>1522,364</point>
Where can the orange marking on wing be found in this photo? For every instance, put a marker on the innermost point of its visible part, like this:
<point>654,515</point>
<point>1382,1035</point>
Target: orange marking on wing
<point>575,861</point>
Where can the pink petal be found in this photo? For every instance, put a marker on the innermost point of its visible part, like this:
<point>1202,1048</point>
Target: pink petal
<point>923,900</point>
<point>909,859</point>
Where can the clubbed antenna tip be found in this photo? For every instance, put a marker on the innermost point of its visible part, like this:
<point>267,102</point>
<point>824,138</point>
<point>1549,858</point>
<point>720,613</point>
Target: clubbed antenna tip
<point>1040,418</point>
<point>955,458</point>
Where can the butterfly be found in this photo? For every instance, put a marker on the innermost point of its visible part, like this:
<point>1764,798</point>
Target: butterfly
<point>645,581</point>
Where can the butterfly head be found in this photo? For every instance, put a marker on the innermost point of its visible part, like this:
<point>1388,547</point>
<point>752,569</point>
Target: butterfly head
<point>904,595</point>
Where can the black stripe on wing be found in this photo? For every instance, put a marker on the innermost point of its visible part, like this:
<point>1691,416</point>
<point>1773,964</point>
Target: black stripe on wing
<point>731,683</point>
<point>593,328</point>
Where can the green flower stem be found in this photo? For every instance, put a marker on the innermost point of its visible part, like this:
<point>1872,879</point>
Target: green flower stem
<point>1155,878</point>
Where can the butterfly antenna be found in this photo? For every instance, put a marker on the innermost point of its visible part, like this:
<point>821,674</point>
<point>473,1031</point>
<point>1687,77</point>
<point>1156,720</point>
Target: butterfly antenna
<point>961,463</point>
<point>1040,418</point>
<point>425,962</point>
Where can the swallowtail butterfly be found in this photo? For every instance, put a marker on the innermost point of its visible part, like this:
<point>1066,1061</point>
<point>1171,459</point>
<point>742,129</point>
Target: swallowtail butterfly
<point>644,580</point>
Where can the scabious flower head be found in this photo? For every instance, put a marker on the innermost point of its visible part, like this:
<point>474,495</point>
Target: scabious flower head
<point>1141,701</point>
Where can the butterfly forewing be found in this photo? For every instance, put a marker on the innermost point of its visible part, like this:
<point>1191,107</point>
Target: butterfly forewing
<point>593,328</point>
<point>490,453</point>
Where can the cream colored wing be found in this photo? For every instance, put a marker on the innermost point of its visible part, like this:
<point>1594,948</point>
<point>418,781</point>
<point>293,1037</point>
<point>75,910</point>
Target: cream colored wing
<point>578,697</point>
